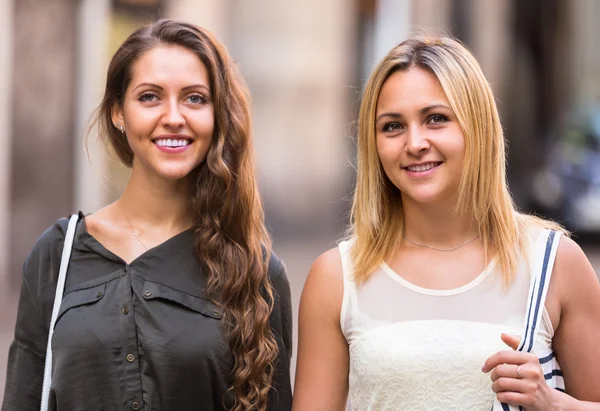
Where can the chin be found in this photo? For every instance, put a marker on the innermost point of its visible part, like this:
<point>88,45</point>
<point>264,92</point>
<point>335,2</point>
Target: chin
<point>425,197</point>
<point>174,174</point>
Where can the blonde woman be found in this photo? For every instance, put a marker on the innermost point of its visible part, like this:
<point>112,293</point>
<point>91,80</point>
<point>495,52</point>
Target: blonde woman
<point>424,307</point>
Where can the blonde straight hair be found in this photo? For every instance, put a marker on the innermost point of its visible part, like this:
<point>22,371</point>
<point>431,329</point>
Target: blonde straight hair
<point>377,217</point>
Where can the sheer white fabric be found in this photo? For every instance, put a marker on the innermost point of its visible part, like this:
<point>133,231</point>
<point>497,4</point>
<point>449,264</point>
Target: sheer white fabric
<point>419,349</point>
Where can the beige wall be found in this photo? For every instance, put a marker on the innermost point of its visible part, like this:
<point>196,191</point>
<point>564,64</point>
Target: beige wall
<point>93,24</point>
<point>432,15</point>
<point>585,52</point>
<point>299,62</point>
<point>209,14</point>
<point>6,50</point>
<point>42,105</point>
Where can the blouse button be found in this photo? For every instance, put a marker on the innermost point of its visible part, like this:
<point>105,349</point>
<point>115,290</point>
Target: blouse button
<point>125,309</point>
<point>216,314</point>
<point>147,293</point>
<point>100,294</point>
<point>130,357</point>
<point>135,405</point>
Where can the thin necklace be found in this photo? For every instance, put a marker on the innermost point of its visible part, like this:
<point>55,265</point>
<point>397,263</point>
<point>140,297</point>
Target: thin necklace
<point>137,237</point>
<point>441,249</point>
<point>135,234</point>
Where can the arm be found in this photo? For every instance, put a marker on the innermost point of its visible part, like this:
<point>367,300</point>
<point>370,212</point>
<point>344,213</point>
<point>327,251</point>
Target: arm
<point>575,294</point>
<point>323,359</point>
<point>27,352</point>
<point>577,337</point>
<point>280,396</point>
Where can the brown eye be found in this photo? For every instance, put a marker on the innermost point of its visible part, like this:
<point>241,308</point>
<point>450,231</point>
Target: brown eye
<point>437,119</point>
<point>392,127</point>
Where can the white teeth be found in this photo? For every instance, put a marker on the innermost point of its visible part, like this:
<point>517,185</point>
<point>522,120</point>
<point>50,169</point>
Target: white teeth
<point>421,167</point>
<point>171,143</point>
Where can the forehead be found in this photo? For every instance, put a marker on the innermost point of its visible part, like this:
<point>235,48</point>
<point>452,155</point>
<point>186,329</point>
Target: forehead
<point>411,88</point>
<point>169,65</point>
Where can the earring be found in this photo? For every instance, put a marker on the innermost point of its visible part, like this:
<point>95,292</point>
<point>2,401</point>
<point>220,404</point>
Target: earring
<point>122,128</point>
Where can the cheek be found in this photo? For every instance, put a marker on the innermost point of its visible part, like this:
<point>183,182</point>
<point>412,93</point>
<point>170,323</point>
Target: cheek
<point>203,124</point>
<point>140,122</point>
<point>387,151</point>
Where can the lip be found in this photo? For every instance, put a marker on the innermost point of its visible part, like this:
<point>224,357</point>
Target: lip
<point>426,173</point>
<point>172,150</point>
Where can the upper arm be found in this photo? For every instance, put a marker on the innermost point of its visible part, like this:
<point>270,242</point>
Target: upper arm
<point>577,337</point>
<point>283,303</point>
<point>280,395</point>
<point>322,368</point>
<point>27,352</point>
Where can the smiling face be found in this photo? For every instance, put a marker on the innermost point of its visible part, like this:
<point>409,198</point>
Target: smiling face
<point>167,112</point>
<point>419,140</point>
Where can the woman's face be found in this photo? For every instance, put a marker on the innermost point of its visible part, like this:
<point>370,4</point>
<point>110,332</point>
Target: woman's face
<point>167,112</point>
<point>419,140</point>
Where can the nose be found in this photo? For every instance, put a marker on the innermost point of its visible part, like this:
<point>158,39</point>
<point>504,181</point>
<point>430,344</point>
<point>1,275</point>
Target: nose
<point>173,117</point>
<point>416,141</point>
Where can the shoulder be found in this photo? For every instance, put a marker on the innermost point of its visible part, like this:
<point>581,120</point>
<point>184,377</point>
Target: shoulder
<point>277,272</point>
<point>573,275</point>
<point>49,244</point>
<point>328,265</point>
<point>324,284</point>
<point>41,267</point>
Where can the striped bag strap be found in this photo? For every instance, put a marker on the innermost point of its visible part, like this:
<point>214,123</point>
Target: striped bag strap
<point>538,291</point>
<point>60,288</point>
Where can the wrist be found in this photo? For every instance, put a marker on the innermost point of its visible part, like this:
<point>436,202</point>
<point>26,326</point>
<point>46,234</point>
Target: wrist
<point>561,401</point>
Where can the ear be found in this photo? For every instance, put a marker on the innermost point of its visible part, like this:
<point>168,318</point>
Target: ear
<point>116,113</point>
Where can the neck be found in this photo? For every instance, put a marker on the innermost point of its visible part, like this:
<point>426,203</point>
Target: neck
<point>149,201</point>
<point>438,225</point>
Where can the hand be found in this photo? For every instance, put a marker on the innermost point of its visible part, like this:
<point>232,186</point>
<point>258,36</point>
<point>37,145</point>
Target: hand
<point>518,378</point>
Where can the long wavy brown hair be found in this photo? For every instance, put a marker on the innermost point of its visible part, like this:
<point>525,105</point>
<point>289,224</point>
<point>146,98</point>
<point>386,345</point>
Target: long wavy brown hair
<point>230,238</point>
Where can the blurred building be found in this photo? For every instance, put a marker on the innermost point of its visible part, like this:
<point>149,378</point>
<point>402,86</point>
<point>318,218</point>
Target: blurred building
<point>305,62</point>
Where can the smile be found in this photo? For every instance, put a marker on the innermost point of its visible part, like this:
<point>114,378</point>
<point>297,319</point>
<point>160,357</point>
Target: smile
<point>172,142</point>
<point>418,168</point>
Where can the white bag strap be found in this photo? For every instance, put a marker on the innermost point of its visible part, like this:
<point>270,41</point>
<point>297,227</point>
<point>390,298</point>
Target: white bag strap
<point>538,291</point>
<point>60,288</point>
<point>537,299</point>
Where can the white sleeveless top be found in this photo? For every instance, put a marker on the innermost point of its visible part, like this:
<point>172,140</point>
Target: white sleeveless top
<point>413,348</point>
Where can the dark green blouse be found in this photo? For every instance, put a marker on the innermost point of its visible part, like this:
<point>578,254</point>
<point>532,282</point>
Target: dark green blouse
<point>139,336</point>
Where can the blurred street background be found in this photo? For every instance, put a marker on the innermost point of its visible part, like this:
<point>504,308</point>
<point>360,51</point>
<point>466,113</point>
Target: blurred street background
<point>305,62</point>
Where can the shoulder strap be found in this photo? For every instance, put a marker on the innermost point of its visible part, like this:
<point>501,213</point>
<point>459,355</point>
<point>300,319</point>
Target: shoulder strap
<point>349,301</point>
<point>545,254</point>
<point>60,287</point>
<point>345,249</point>
<point>538,290</point>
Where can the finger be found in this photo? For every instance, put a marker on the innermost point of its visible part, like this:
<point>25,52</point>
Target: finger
<point>511,341</point>
<point>516,399</point>
<point>505,371</point>
<point>504,384</point>
<point>507,357</point>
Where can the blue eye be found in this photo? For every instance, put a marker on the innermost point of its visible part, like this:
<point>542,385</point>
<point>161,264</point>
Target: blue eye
<point>197,99</point>
<point>147,97</point>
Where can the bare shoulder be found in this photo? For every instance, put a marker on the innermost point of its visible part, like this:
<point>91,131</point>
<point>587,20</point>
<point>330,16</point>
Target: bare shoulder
<point>100,221</point>
<point>324,284</point>
<point>573,274</point>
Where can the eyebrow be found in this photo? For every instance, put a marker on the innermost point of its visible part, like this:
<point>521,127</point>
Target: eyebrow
<point>192,86</point>
<point>422,111</point>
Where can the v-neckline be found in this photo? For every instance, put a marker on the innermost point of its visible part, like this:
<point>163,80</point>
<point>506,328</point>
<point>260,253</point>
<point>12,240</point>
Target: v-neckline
<point>97,246</point>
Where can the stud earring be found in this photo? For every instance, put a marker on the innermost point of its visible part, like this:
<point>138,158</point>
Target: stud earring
<point>122,128</point>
